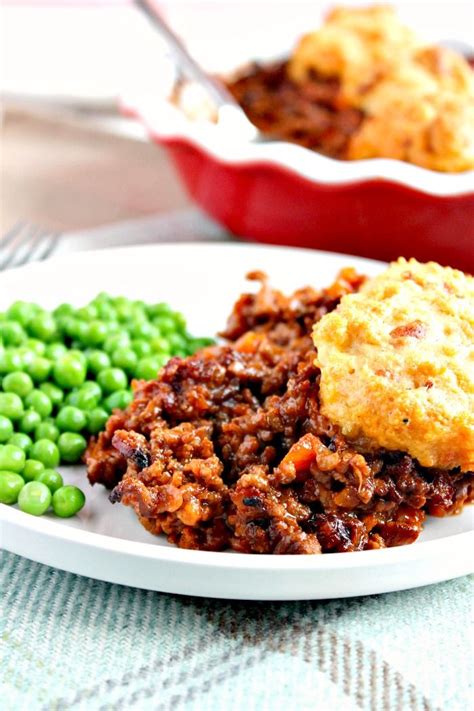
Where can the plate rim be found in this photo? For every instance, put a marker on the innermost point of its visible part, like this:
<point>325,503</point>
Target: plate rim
<point>182,246</point>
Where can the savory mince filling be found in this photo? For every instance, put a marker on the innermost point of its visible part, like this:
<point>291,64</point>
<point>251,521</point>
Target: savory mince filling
<point>305,113</point>
<point>228,448</point>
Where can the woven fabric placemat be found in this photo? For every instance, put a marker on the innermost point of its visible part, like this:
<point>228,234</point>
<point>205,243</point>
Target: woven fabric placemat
<point>76,643</point>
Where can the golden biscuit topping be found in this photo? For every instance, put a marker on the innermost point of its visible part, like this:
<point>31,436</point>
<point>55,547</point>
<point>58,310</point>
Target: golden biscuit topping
<point>418,99</point>
<point>397,364</point>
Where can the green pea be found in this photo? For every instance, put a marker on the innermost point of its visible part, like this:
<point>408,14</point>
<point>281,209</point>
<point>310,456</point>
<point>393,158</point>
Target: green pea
<point>46,430</point>
<point>29,421</point>
<point>27,356</point>
<point>97,361</point>
<point>12,458</point>
<point>87,313</point>
<point>69,371</point>
<point>120,399</point>
<point>39,369</point>
<point>43,326</point>
<point>176,342</point>
<point>84,398</point>
<point>11,484</point>
<point>71,446</point>
<point>96,419</point>
<point>46,452</point>
<point>123,311</point>
<point>51,478</point>
<point>113,327</point>
<point>54,393</point>
<point>63,310</point>
<point>10,361</point>
<point>103,297</point>
<point>147,368</point>
<point>12,333</point>
<point>106,312</point>
<point>21,311</point>
<point>137,319</point>
<point>95,334</point>
<point>19,383</point>
<point>31,469</point>
<point>71,418</point>
<point>92,387</point>
<point>112,379</point>
<point>38,400</point>
<point>142,329</point>
<point>22,440</point>
<point>125,358</point>
<point>142,348</point>
<point>161,309</point>
<point>159,345</point>
<point>6,428</point>
<point>117,340</point>
<point>55,350</point>
<point>121,301</point>
<point>76,329</point>
<point>11,406</point>
<point>3,353</point>
<point>195,344</point>
<point>68,501</point>
<point>67,325</point>
<point>165,325</point>
<point>79,354</point>
<point>179,321</point>
<point>34,498</point>
<point>38,347</point>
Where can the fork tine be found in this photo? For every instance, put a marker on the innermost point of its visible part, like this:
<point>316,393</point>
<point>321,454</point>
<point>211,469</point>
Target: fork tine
<point>29,250</point>
<point>50,245</point>
<point>22,238</point>
<point>40,250</point>
<point>29,245</point>
<point>26,243</point>
<point>10,236</point>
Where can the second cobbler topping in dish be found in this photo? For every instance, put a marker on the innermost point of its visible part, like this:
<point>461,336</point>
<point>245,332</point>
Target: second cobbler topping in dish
<point>418,100</point>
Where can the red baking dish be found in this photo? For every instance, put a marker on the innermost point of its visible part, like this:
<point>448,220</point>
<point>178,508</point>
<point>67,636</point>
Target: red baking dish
<point>281,193</point>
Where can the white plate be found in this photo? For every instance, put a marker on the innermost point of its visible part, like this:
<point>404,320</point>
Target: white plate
<point>106,542</point>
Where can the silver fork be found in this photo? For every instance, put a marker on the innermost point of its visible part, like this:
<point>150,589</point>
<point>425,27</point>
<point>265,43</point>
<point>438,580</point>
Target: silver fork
<point>26,243</point>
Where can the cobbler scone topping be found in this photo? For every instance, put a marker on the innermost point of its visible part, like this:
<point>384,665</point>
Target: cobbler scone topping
<point>417,99</point>
<point>358,45</point>
<point>397,364</point>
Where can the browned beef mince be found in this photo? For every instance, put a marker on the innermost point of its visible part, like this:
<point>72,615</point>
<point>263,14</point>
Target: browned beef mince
<point>228,448</point>
<point>309,114</point>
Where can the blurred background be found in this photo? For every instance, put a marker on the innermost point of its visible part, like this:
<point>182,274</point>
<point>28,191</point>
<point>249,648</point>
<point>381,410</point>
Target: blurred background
<point>69,160</point>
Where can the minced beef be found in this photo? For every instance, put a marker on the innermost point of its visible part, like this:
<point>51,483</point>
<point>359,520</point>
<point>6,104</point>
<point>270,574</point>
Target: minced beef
<point>308,113</point>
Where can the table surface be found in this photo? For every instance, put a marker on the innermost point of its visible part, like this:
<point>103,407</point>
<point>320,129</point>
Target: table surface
<point>76,643</point>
